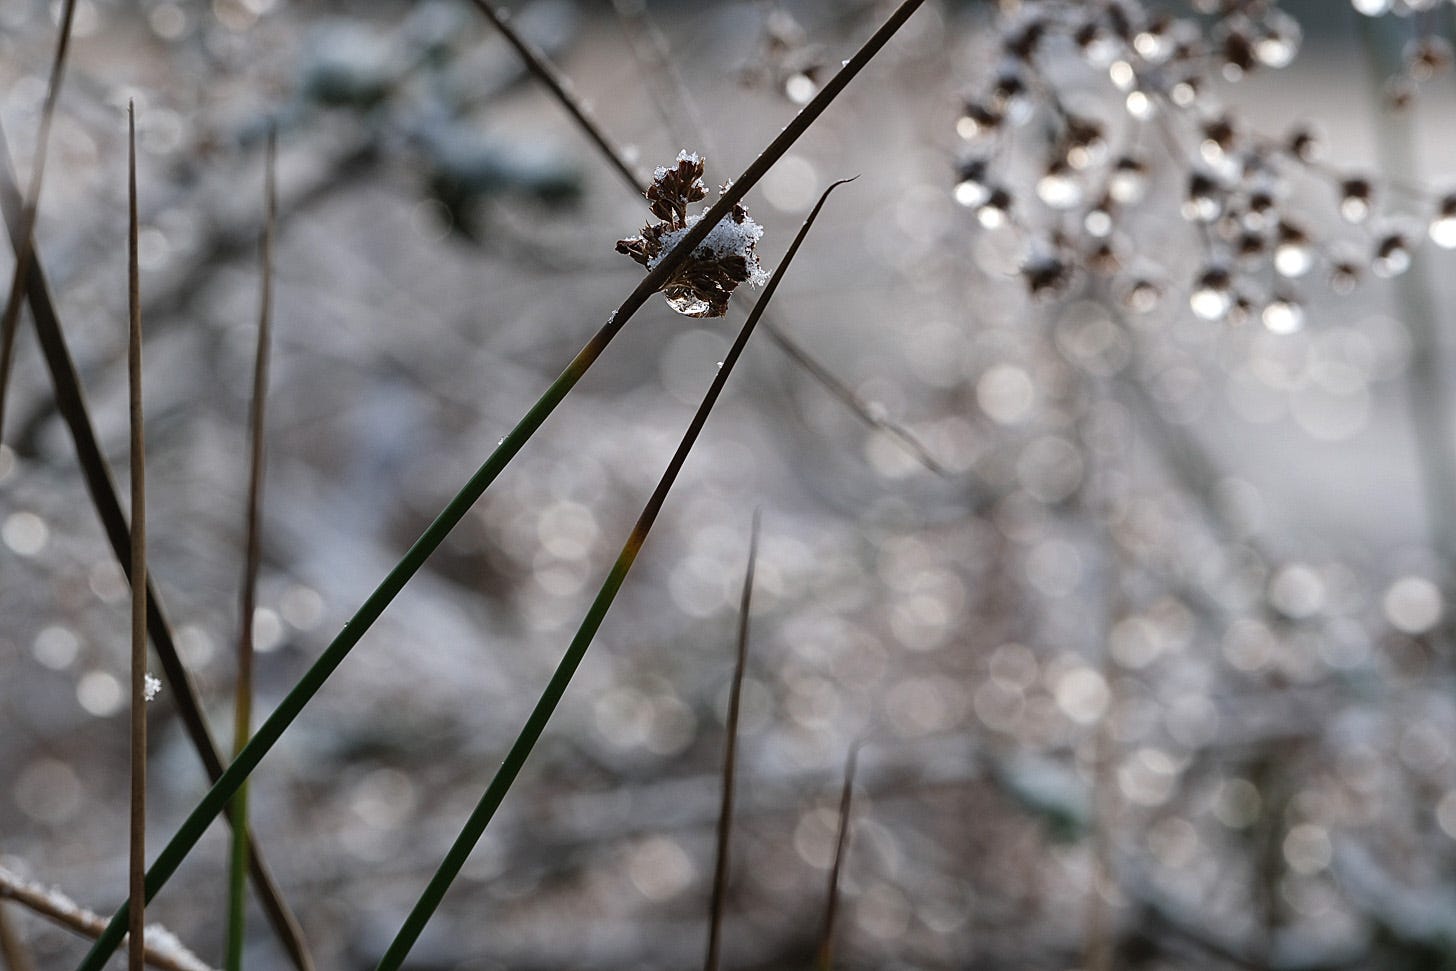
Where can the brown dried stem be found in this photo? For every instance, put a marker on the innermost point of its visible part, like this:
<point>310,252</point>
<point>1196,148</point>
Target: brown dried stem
<point>730,761</point>
<point>825,959</point>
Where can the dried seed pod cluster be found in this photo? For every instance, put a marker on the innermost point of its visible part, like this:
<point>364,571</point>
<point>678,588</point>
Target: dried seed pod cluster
<point>1097,166</point>
<point>701,286</point>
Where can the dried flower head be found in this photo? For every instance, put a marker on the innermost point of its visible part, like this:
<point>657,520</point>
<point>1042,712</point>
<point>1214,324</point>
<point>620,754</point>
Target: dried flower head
<point>701,286</point>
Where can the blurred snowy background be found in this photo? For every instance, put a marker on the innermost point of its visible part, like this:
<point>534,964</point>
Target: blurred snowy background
<point>1183,570</point>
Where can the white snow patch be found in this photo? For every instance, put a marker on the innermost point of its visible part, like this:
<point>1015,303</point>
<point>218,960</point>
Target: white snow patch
<point>682,156</point>
<point>726,238</point>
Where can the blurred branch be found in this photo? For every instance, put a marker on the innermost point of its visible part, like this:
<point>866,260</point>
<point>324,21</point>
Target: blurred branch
<point>1428,394</point>
<point>163,949</point>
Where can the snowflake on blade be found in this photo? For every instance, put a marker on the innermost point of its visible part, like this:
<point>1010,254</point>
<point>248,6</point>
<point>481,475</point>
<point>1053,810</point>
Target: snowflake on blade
<point>701,286</point>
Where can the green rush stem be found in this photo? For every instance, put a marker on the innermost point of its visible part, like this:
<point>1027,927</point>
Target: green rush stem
<point>520,750</point>
<point>307,686</point>
<point>243,711</point>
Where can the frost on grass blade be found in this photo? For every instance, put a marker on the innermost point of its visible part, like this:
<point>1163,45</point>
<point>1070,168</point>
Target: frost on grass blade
<point>724,259</point>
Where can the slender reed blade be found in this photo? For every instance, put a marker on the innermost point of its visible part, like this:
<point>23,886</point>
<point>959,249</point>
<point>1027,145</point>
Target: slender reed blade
<point>24,250</point>
<point>520,750</point>
<point>96,473</point>
<point>561,90</point>
<point>243,708</point>
<point>730,762</point>
<point>136,949</point>
<point>825,959</point>
<point>333,655</point>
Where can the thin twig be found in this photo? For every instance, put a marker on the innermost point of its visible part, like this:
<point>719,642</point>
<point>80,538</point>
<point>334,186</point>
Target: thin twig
<point>526,740</point>
<point>560,88</point>
<point>136,949</point>
<point>730,759</point>
<point>96,473</point>
<point>333,655</point>
<point>9,323</point>
<point>243,713</point>
<point>825,958</point>
<point>62,910</point>
<point>866,412</point>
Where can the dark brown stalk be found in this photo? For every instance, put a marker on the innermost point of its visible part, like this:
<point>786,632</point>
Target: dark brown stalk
<point>136,947</point>
<point>560,88</point>
<point>825,959</point>
<point>10,322</point>
<point>730,761</point>
<point>71,404</point>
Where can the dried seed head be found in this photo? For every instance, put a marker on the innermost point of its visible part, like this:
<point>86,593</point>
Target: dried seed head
<point>1237,52</point>
<point>672,189</point>
<point>1045,275</point>
<point>1022,43</point>
<point>1443,227</point>
<point>1303,144</point>
<point>1344,276</point>
<point>996,209</point>
<point>1142,296</point>
<point>701,286</point>
<point>1293,255</point>
<point>1212,295</point>
<point>1392,255</point>
<point>1128,181</point>
<point>1283,315</point>
<point>971,188</point>
<point>1426,57</point>
<point>1204,200</point>
<point>1355,197</point>
<point>978,120</point>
